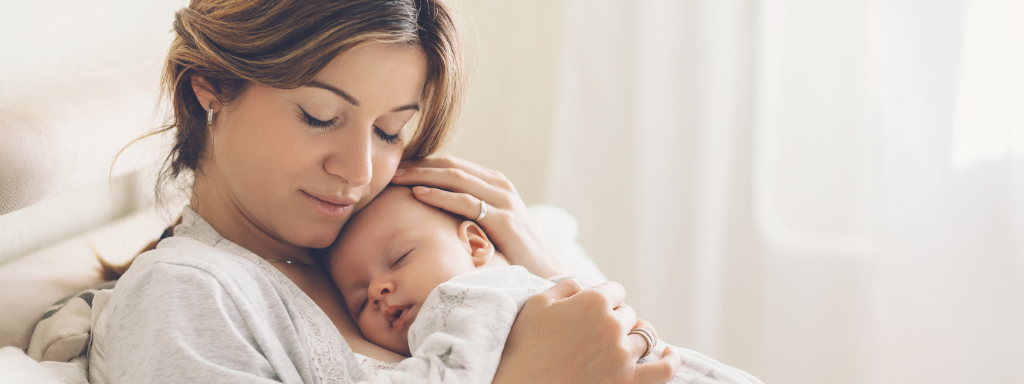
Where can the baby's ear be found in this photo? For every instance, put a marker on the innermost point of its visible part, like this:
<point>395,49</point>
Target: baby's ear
<point>480,248</point>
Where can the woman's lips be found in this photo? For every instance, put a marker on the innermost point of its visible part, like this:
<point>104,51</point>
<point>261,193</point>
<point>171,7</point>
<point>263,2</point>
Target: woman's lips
<point>332,207</point>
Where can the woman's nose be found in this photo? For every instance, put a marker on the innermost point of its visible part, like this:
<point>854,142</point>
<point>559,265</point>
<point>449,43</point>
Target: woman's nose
<point>352,159</point>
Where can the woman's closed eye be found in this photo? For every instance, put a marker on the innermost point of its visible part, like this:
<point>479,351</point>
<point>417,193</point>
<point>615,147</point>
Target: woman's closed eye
<point>329,124</point>
<point>317,123</point>
<point>384,136</point>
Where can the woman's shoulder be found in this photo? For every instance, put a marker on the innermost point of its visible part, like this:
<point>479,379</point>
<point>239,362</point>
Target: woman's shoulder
<point>195,255</point>
<point>183,261</point>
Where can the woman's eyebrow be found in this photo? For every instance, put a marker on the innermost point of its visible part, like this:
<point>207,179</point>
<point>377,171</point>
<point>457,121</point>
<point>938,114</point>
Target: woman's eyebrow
<point>352,100</point>
<point>336,91</point>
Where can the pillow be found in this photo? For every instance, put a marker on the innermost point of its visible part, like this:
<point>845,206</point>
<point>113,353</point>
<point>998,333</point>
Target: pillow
<point>16,367</point>
<point>32,283</point>
<point>63,332</point>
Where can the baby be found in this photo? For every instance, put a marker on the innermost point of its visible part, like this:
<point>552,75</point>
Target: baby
<point>400,260</point>
<point>429,285</point>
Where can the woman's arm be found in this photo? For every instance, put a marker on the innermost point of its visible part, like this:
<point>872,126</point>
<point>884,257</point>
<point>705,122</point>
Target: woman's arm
<point>570,335</point>
<point>564,334</point>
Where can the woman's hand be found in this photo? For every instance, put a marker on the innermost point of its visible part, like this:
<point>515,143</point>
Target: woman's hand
<point>569,335</point>
<point>457,186</point>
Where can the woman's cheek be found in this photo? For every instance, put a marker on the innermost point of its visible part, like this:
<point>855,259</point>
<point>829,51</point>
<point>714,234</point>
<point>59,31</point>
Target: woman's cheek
<point>384,167</point>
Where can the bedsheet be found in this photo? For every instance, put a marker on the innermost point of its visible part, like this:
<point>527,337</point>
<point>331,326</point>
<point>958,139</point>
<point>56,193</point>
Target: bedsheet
<point>17,367</point>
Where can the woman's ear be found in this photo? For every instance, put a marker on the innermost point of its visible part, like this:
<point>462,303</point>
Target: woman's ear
<point>205,93</point>
<point>480,248</point>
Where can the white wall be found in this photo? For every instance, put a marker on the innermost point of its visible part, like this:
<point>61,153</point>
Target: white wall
<point>50,43</point>
<point>56,41</point>
<point>514,51</point>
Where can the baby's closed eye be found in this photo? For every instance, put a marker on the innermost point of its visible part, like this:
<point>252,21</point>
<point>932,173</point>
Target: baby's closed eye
<point>362,304</point>
<point>400,259</point>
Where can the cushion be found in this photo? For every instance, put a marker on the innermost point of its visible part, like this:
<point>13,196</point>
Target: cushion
<point>16,367</point>
<point>63,332</point>
<point>32,283</point>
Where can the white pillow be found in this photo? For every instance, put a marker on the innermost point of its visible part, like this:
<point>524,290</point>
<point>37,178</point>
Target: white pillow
<point>32,283</point>
<point>17,367</point>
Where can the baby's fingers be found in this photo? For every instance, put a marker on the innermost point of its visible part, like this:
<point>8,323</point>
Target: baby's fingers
<point>660,371</point>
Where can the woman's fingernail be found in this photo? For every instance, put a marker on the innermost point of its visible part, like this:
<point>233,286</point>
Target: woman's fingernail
<point>420,190</point>
<point>400,172</point>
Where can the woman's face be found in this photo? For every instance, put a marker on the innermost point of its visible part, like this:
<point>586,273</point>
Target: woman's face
<point>296,163</point>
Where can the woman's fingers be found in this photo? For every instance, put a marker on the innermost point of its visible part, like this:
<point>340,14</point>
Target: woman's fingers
<point>454,180</point>
<point>566,334</point>
<point>626,317</point>
<point>459,186</point>
<point>562,290</point>
<point>457,203</point>
<point>660,371</point>
<point>638,342</point>
<point>490,176</point>
<point>614,292</point>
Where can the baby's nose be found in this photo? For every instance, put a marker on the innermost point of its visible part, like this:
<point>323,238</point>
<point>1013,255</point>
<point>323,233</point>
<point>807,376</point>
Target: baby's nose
<point>377,301</point>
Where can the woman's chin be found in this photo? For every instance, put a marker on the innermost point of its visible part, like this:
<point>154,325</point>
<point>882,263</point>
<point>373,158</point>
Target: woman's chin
<point>320,237</point>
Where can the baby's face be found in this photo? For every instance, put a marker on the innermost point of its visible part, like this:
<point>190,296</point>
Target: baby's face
<point>388,259</point>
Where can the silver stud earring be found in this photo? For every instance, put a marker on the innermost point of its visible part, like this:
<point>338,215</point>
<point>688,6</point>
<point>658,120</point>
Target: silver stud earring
<point>209,117</point>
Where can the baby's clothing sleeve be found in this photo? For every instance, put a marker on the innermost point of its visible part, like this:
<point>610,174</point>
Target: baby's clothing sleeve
<point>460,332</point>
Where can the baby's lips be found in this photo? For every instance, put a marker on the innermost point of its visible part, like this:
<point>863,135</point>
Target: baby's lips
<point>403,318</point>
<point>394,313</point>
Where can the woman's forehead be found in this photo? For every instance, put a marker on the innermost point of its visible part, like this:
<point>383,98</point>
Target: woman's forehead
<point>378,75</point>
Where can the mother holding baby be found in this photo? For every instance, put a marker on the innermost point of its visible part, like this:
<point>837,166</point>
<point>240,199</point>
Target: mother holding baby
<point>289,116</point>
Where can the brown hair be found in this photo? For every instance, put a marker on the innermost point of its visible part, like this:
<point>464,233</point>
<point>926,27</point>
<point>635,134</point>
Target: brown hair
<point>284,43</point>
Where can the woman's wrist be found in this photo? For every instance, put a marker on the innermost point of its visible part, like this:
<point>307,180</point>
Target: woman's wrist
<point>545,268</point>
<point>539,260</point>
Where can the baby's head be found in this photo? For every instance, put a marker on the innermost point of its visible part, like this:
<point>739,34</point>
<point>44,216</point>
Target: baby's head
<point>393,253</point>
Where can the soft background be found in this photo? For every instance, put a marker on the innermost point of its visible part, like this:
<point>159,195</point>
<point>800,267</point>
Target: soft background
<point>814,191</point>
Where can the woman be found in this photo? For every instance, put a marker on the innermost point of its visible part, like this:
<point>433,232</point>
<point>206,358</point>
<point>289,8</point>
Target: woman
<point>292,115</point>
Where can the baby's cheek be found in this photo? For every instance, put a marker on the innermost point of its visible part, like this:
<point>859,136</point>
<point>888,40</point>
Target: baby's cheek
<point>373,330</point>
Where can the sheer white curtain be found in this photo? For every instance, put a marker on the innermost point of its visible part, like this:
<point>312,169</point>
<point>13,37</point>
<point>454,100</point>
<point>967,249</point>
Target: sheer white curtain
<point>814,191</point>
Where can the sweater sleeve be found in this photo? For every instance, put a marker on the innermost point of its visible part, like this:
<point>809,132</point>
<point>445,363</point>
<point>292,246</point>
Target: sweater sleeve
<point>178,324</point>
